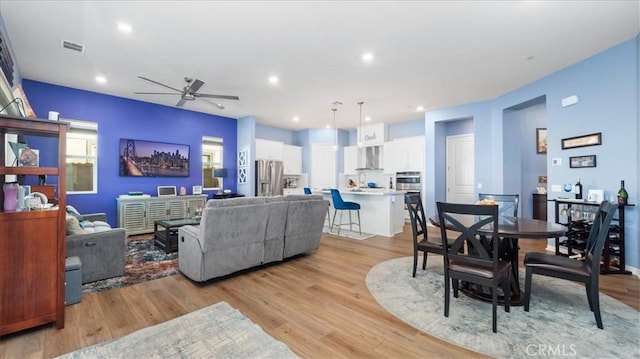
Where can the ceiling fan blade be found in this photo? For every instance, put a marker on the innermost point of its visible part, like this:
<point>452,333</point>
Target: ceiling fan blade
<point>181,102</point>
<point>195,86</point>
<point>225,97</point>
<point>158,83</point>
<point>156,93</point>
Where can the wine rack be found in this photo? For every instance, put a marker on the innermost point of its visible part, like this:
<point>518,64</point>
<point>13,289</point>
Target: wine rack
<point>574,242</point>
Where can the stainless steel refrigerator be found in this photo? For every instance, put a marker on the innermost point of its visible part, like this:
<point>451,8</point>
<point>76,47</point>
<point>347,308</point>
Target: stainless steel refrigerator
<point>269,178</point>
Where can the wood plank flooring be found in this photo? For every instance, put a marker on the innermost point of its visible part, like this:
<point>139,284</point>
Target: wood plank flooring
<point>317,304</point>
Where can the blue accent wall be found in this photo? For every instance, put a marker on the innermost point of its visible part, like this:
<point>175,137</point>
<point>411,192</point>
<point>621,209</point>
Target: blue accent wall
<point>122,118</point>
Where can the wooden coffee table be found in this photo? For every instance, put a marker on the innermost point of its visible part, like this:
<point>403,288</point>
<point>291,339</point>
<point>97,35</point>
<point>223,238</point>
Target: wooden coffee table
<point>165,232</point>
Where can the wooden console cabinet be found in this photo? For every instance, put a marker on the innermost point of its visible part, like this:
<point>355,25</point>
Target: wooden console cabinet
<point>138,215</point>
<point>32,243</point>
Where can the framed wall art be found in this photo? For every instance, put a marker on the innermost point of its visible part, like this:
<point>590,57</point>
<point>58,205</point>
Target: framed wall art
<point>582,161</point>
<point>593,139</point>
<point>541,140</point>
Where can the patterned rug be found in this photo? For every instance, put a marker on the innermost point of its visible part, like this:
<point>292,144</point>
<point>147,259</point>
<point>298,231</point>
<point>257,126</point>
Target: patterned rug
<point>559,323</point>
<point>347,233</point>
<point>217,331</point>
<point>143,262</point>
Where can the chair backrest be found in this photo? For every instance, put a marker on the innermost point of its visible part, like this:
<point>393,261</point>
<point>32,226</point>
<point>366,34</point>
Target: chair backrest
<point>469,247</point>
<point>416,214</point>
<point>307,190</point>
<point>507,203</point>
<point>598,235</point>
<point>338,202</point>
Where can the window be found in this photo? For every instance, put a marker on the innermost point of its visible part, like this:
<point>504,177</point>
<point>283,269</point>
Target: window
<point>211,159</point>
<point>82,157</point>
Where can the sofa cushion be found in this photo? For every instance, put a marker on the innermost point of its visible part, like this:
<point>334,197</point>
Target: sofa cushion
<point>73,226</point>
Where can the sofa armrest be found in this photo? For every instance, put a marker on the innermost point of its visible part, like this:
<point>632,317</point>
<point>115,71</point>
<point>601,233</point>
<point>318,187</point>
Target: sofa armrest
<point>95,217</point>
<point>102,254</point>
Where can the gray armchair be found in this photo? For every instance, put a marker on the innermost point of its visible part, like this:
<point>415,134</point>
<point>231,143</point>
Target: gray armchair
<point>102,252</point>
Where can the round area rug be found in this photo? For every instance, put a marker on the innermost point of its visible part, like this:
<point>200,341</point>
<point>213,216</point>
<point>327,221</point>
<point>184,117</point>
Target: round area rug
<point>558,324</point>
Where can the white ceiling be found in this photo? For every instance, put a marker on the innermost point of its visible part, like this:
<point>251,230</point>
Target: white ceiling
<point>429,53</point>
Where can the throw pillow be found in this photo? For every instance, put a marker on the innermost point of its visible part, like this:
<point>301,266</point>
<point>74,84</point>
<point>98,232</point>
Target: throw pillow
<point>74,212</point>
<point>73,226</point>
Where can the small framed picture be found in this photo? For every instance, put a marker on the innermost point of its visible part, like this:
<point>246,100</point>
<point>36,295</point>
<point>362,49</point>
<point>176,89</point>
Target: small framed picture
<point>594,139</point>
<point>29,157</point>
<point>541,140</point>
<point>582,161</point>
<point>196,190</point>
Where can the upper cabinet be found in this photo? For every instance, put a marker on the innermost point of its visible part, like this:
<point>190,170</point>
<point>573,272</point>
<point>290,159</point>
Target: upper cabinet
<point>269,150</point>
<point>292,159</point>
<point>350,160</point>
<point>406,154</point>
<point>372,135</point>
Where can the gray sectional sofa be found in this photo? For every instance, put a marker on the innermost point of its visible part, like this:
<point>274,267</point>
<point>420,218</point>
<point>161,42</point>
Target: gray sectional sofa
<point>240,233</point>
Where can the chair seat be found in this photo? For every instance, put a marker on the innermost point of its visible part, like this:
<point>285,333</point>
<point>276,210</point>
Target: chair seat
<point>479,271</point>
<point>557,264</point>
<point>349,206</point>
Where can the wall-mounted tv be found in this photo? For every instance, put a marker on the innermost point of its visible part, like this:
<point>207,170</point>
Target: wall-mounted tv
<point>140,158</point>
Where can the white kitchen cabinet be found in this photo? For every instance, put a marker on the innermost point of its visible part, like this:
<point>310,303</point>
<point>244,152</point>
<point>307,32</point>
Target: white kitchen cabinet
<point>350,160</point>
<point>406,154</point>
<point>292,159</point>
<point>269,150</point>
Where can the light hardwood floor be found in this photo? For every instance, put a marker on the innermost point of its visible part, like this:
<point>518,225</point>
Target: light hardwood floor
<point>317,304</point>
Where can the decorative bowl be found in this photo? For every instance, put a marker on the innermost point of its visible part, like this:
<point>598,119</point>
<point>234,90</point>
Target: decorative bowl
<point>371,184</point>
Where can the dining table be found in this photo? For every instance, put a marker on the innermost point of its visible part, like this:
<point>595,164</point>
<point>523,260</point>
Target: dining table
<point>510,230</point>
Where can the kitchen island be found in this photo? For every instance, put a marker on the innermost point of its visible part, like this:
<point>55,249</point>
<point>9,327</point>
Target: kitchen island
<point>381,209</point>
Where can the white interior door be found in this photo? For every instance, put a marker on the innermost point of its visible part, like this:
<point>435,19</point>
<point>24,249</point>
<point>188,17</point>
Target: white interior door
<point>460,169</point>
<point>323,166</point>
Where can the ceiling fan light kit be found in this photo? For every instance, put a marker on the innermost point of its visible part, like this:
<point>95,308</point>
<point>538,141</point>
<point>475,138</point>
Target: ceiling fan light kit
<point>188,93</point>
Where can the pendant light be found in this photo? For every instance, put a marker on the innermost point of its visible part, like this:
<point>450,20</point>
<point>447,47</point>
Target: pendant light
<point>335,130</point>
<point>360,129</point>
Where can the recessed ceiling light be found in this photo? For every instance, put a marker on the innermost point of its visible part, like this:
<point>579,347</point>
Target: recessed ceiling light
<point>296,119</point>
<point>367,118</point>
<point>124,27</point>
<point>101,79</point>
<point>420,108</point>
<point>273,79</point>
<point>367,57</point>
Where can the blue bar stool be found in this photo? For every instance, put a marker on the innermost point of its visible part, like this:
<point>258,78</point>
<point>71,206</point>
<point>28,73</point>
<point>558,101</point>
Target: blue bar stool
<point>307,190</point>
<point>340,205</point>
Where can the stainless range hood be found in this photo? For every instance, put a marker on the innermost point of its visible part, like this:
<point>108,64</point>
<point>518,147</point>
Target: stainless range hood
<point>369,158</point>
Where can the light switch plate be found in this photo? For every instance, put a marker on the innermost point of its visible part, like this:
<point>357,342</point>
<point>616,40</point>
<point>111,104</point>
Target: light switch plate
<point>556,161</point>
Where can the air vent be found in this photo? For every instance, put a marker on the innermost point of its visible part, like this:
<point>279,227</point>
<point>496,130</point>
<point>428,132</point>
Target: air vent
<point>72,46</point>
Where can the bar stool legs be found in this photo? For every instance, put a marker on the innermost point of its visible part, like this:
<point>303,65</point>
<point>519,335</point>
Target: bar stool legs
<point>351,222</point>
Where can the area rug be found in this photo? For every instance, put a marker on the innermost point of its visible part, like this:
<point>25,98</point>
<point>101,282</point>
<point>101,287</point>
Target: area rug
<point>347,233</point>
<point>143,261</point>
<point>217,331</point>
<point>559,323</point>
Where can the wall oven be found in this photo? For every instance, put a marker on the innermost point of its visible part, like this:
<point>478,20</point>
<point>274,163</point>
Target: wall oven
<point>409,181</point>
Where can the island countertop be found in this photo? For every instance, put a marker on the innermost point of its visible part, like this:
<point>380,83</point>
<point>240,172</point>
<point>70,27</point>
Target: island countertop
<point>365,191</point>
<point>381,209</point>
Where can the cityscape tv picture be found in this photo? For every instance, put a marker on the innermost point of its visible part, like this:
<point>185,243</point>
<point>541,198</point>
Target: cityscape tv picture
<point>141,158</point>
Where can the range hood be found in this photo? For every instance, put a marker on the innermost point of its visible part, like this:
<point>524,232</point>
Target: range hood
<point>369,158</point>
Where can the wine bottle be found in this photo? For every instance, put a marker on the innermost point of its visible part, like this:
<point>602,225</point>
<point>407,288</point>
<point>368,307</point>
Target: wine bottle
<point>623,196</point>
<point>578,189</point>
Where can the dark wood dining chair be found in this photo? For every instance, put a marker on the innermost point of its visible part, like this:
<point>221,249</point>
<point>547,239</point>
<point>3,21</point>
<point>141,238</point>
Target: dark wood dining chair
<point>422,242</point>
<point>586,270</point>
<point>507,203</point>
<point>472,256</point>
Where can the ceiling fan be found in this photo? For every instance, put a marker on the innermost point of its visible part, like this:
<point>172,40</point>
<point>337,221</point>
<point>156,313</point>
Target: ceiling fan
<point>188,93</point>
